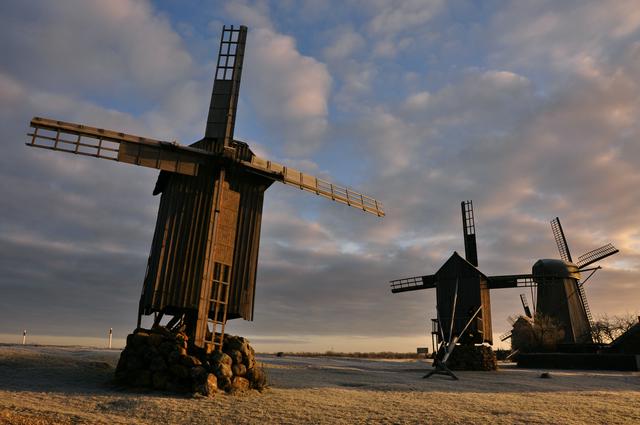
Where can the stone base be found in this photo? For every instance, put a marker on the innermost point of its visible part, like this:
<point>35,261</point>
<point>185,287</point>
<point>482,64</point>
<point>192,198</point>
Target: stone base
<point>472,357</point>
<point>161,360</point>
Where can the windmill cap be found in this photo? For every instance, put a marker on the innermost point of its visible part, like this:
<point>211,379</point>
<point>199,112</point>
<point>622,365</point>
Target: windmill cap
<point>556,268</point>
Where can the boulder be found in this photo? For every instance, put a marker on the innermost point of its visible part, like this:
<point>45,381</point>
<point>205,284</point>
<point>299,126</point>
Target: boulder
<point>218,357</point>
<point>223,371</point>
<point>236,356</point>
<point>257,378</point>
<point>208,387</point>
<point>239,369</point>
<point>239,384</point>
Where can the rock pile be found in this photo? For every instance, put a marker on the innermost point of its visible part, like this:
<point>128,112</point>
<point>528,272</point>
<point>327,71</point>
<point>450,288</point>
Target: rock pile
<point>472,357</point>
<point>162,360</point>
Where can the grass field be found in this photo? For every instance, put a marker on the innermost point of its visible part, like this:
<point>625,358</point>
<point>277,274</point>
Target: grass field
<point>71,385</point>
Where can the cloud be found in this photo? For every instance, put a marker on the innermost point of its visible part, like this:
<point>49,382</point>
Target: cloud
<point>394,25</point>
<point>346,42</point>
<point>288,91</point>
<point>111,58</point>
<point>565,36</point>
<point>400,16</point>
<point>75,231</point>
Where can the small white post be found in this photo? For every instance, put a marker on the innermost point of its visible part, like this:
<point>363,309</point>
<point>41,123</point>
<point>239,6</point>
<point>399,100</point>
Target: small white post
<point>24,337</point>
<point>110,336</point>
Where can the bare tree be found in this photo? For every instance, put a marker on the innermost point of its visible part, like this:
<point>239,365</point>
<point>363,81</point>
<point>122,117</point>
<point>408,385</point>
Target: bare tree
<point>608,328</point>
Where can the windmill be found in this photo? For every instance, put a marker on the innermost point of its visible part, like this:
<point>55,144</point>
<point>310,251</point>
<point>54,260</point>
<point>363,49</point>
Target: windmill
<point>203,259</point>
<point>560,288</point>
<point>463,303</point>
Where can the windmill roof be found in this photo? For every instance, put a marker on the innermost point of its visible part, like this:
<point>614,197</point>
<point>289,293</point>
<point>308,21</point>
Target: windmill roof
<point>455,257</point>
<point>556,267</point>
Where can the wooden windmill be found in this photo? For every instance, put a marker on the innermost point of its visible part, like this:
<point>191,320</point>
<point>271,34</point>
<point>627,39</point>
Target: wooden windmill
<point>560,287</point>
<point>203,260</point>
<point>462,292</point>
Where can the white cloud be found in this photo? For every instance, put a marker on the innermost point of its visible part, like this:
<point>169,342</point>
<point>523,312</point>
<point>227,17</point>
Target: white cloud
<point>562,36</point>
<point>346,42</point>
<point>418,100</point>
<point>288,90</point>
<point>393,17</point>
<point>107,48</point>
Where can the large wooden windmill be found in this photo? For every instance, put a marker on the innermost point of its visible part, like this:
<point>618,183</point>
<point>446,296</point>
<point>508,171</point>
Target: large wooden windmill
<point>203,260</point>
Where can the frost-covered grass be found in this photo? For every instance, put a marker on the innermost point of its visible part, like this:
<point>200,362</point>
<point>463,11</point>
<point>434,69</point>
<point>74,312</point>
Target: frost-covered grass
<point>43,385</point>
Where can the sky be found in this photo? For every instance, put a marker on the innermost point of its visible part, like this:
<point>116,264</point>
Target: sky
<point>530,109</point>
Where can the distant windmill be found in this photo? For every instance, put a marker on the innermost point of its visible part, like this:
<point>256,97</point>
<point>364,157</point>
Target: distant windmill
<point>560,290</point>
<point>203,260</point>
<point>462,292</point>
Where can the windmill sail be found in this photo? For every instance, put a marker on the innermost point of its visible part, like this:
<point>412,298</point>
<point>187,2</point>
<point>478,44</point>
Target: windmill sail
<point>116,146</point>
<point>561,240</point>
<point>309,183</point>
<point>596,255</point>
<point>510,281</point>
<point>226,86</point>
<point>413,283</point>
<point>469,232</point>
<point>525,306</point>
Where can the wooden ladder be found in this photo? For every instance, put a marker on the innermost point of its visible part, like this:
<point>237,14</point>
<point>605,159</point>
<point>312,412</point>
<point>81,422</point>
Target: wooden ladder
<point>218,302</point>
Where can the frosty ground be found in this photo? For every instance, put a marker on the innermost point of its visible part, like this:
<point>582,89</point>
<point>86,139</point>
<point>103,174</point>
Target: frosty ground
<point>70,385</point>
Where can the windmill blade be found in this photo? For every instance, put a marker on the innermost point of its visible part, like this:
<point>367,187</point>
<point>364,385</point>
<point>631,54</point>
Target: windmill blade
<point>115,146</point>
<point>510,281</point>
<point>525,306</point>
<point>309,183</point>
<point>469,232</point>
<point>413,283</point>
<point>561,240</point>
<point>596,255</point>
<point>226,86</point>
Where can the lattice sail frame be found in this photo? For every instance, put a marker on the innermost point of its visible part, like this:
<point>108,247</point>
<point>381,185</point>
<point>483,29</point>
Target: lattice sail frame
<point>596,255</point>
<point>174,157</point>
<point>561,240</point>
<point>469,232</point>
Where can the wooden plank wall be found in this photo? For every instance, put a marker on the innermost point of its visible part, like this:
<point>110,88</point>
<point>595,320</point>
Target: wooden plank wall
<point>179,249</point>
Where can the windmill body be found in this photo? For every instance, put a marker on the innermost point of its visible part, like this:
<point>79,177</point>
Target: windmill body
<point>558,297</point>
<point>204,254</point>
<point>472,292</point>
